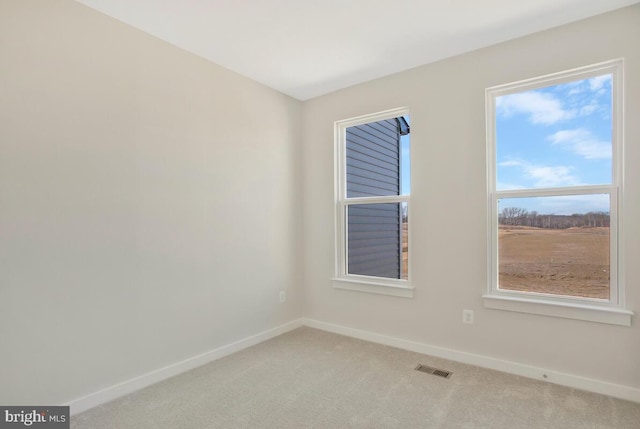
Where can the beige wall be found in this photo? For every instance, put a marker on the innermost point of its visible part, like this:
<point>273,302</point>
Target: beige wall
<point>448,211</point>
<point>148,203</point>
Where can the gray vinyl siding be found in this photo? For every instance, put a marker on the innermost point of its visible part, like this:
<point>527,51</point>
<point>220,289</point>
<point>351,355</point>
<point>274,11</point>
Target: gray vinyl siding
<point>373,170</point>
<point>373,159</point>
<point>374,239</point>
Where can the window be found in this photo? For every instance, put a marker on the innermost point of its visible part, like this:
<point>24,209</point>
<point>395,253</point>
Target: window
<point>554,148</point>
<point>372,203</point>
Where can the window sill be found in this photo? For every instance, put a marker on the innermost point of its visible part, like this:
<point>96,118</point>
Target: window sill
<point>578,311</point>
<point>373,286</point>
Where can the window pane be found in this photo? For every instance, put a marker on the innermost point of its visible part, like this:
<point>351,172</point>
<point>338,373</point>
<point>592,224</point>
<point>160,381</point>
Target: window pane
<point>555,245</point>
<point>375,239</point>
<point>555,136</point>
<point>375,153</point>
<point>405,241</point>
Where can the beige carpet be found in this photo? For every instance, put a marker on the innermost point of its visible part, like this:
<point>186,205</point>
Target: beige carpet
<point>313,379</point>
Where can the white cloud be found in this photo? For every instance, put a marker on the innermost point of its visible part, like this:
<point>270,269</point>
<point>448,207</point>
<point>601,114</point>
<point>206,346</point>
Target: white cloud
<point>502,186</point>
<point>510,163</point>
<point>542,176</point>
<point>542,108</point>
<point>596,83</point>
<point>589,109</point>
<point>551,176</point>
<point>565,136</point>
<point>583,143</point>
<point>571,88</point>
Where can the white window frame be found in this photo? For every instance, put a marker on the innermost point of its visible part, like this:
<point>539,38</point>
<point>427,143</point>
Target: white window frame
<point>596,310</point>
<point>342,279</point>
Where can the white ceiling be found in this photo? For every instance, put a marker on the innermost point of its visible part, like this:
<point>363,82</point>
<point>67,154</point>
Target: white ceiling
<point>306,48</point>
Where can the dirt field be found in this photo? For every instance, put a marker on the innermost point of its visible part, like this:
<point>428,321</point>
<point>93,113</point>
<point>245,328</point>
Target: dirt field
<point>572,261</point>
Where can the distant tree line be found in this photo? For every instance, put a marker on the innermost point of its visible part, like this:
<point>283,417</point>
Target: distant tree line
<point>515,216</point>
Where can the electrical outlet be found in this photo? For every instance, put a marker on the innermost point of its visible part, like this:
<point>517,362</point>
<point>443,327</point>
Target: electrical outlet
<point>283,296</point>
<point>467,317</point>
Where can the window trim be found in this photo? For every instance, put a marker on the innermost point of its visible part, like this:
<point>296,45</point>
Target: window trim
<point>355,282</point>
<point>606,311</point>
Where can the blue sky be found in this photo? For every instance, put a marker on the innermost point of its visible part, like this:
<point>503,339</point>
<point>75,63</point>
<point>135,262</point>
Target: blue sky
<point>405,161</point>
<point>553,137</point>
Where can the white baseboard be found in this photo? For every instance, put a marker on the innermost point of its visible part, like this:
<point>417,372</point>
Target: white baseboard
<point>569,380</point>
<point>113,392</point>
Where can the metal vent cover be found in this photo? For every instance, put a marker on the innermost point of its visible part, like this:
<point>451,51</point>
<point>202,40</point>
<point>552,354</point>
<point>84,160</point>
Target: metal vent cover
<point>434,371</point>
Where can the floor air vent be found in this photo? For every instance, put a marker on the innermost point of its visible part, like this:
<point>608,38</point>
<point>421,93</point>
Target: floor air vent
<point>434,371</point>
